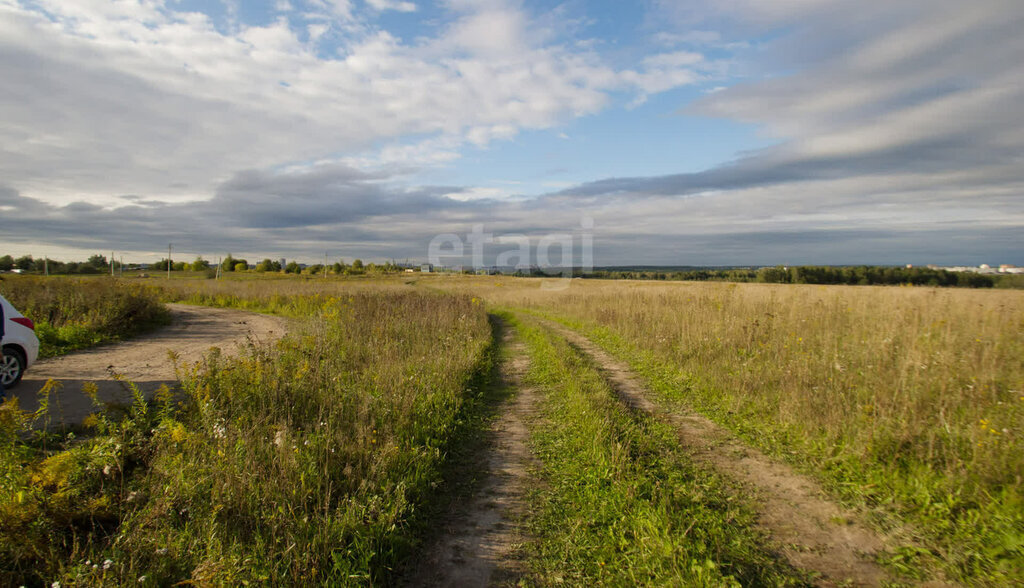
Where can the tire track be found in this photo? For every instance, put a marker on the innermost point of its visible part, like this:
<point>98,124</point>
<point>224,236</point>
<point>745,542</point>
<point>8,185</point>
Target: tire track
<point>477,543</point>
<point>811,532</point>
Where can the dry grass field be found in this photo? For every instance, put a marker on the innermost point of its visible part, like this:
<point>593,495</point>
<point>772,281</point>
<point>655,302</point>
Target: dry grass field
<point>316,459</point>
<point>908,402</point>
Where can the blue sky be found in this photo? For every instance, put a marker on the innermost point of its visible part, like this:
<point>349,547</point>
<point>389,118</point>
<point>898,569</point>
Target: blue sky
<point>697,133</point>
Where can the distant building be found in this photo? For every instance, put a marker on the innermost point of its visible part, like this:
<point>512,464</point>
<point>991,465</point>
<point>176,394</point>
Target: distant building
<point>427,268</point>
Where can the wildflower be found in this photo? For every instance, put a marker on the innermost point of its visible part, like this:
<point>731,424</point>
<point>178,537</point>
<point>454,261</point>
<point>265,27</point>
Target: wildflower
<point>279,438</point>
<point>142,579</point>
<point>106,470</point>
<point>55,585</point>
<point>161,551</point>
<point>107,563</point>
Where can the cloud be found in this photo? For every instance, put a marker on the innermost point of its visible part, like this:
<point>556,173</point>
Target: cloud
<point>897,127</point>
<point>110,98</point>
<point>396,5</point>
<point>909,119</point>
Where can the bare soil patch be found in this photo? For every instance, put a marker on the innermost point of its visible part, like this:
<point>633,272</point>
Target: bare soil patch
<point>810,531</point>
<point>144,360</point>
<point>476,545</point>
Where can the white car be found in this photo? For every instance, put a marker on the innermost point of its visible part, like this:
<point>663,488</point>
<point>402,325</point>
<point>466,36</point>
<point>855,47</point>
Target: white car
<point>20,345</point>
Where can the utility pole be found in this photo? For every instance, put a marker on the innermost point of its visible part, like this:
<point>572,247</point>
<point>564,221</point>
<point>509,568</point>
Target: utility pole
<point>120,271</point>
<point>169,261</point>
<point>219,261</point>
<point>46,265</point>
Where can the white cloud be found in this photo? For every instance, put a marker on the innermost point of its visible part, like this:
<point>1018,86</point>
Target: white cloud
<point>892,117</point>
<point>135,98</point>
<point>397,5</point>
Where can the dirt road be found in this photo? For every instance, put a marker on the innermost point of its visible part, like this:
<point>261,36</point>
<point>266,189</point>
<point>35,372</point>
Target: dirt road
<point>144,360</point>
<point>810,531</point>
<point>475,545</point>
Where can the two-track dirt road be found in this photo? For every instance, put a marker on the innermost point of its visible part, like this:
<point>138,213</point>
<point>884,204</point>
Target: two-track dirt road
<point>144,360</point>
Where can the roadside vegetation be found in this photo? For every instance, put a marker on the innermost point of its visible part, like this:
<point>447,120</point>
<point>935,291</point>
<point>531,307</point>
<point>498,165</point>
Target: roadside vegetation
<point>620,503</point>
<point>72,314</point>
<point>310,461</point>
<point>905,402</point>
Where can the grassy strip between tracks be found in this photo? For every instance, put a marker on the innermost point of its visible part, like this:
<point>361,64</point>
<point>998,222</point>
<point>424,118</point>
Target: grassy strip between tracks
<point>619,502</point>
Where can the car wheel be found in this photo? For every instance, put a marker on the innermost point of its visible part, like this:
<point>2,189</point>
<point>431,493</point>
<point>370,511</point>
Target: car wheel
<point>12,367</point>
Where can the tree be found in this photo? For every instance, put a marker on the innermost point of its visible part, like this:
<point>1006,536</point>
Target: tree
<point>24,263</point>
<point>179,266</point>
<point>200,264</point>
<point>292,268</point>
<point>773,275</point>
<point>6,263</point>
<point>357,264</point>
<point>97,261</point>
<point>241,266</point>
<point>228,265</point>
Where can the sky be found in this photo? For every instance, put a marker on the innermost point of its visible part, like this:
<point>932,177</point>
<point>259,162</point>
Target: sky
<point>728,132</point>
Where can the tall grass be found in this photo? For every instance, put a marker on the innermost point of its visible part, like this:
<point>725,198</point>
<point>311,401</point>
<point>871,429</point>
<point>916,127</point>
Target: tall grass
<point>311,461</point>
<point>621,504</point>
<point>74,313</point>
<point>909,401</point>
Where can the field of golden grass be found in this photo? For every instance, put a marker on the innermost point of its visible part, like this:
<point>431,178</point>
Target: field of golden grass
<point>906,401</point>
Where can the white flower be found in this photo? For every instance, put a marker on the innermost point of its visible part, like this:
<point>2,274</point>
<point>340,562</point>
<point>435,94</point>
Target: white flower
<point>142,578</point>
<point>55,585</point>
<point>107,563</point>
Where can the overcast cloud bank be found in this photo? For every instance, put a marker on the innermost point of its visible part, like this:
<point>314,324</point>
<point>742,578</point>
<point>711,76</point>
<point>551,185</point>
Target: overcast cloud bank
<point>898,127</point>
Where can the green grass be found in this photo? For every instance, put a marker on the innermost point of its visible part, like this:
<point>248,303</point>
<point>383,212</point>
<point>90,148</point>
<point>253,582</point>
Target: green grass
<point>75,313</point>
<point>620,503</point>
<point>974,540</point>
<point>311,461</point>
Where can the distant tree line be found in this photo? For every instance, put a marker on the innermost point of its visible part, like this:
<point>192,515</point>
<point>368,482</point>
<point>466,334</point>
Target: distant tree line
<point>874,275</point>
<point>702,275</point>
<point>862,275</point>
<point>99,264</point>
<point>96,264</point>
